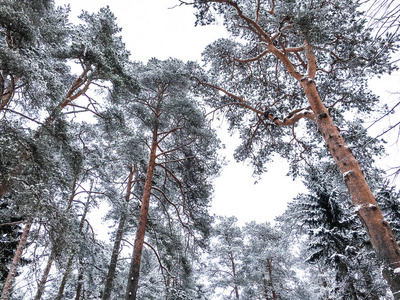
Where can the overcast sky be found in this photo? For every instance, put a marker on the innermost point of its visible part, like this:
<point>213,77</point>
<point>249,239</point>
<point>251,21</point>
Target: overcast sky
<point>153,28</point>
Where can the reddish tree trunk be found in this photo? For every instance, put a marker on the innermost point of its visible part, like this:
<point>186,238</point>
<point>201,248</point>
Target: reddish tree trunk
<point>7,288</point>
<point>133,279</point>
<point>117,243</point>
<point>378,229</point>
<point>45,275</point>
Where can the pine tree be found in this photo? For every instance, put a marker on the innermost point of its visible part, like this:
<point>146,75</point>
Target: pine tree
<point>309,61</point>
<point>176,133</point>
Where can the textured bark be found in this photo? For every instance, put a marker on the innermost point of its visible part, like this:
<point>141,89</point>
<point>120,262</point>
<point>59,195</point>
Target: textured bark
<point>133,279</point>
<point>8,285</point>
<point>378,229</point>
<point>117,243</point>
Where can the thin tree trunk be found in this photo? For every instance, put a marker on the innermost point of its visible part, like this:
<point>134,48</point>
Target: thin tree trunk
<point>134,270</point>
<point>235,287</point>
<point>80,282</point>
<point>71,258</point>
<point>7,288</point>
<point>265,287</point>
<point>46,271</point>
<point>45,275</point>
<point>117,243</point>
<point>65,278</point>
<point>269,261</point>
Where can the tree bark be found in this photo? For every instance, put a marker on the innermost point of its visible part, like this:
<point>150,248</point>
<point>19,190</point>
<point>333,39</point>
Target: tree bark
<point>235,287</point>
<point>46,271</point>
<point>117,243</point>
<point>71,258</point>
<point>45,275</point>
<point>265,287</point>
<point>7,288</point>
<point>134,270</point>
<point>378,229</point>
<point>65,278</point>
<point>80,282</point>
<point>269,261</point>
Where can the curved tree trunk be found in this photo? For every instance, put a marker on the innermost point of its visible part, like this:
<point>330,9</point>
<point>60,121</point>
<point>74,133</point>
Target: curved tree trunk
<point>133,279</point>
<point>7,288</point>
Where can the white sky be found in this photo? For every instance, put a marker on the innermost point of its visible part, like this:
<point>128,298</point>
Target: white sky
<point>150,28</point>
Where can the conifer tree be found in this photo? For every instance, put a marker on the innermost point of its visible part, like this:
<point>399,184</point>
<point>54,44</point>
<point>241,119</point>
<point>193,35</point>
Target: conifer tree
<point>180,145</point>
<point>305,60</point>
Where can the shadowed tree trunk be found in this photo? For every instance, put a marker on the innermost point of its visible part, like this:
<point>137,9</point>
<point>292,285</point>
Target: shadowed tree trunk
<point>80,282</point>
<point>45,275</point>
<point>71,258</point>
<point>117,243</point>
<point>269,262</point>
<point>265,284</point>
<point>235,287</point>
<point>50,260</point>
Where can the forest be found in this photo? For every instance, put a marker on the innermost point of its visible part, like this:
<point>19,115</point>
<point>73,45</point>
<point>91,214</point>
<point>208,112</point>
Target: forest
<point>86,129</point>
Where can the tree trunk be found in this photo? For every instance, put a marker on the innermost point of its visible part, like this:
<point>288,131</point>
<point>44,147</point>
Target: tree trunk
<point>46,271</point>
<point>117,243</point>
<point>265,287</point>
<point>235,287</point>
<point>80,282</point>
<point>134,270</point>
<point>269,261</point>
<point>43,280</point>
<point>71,258</point>
<point>378,229</point>
<point>65,278</point>
<point>7,288</point>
